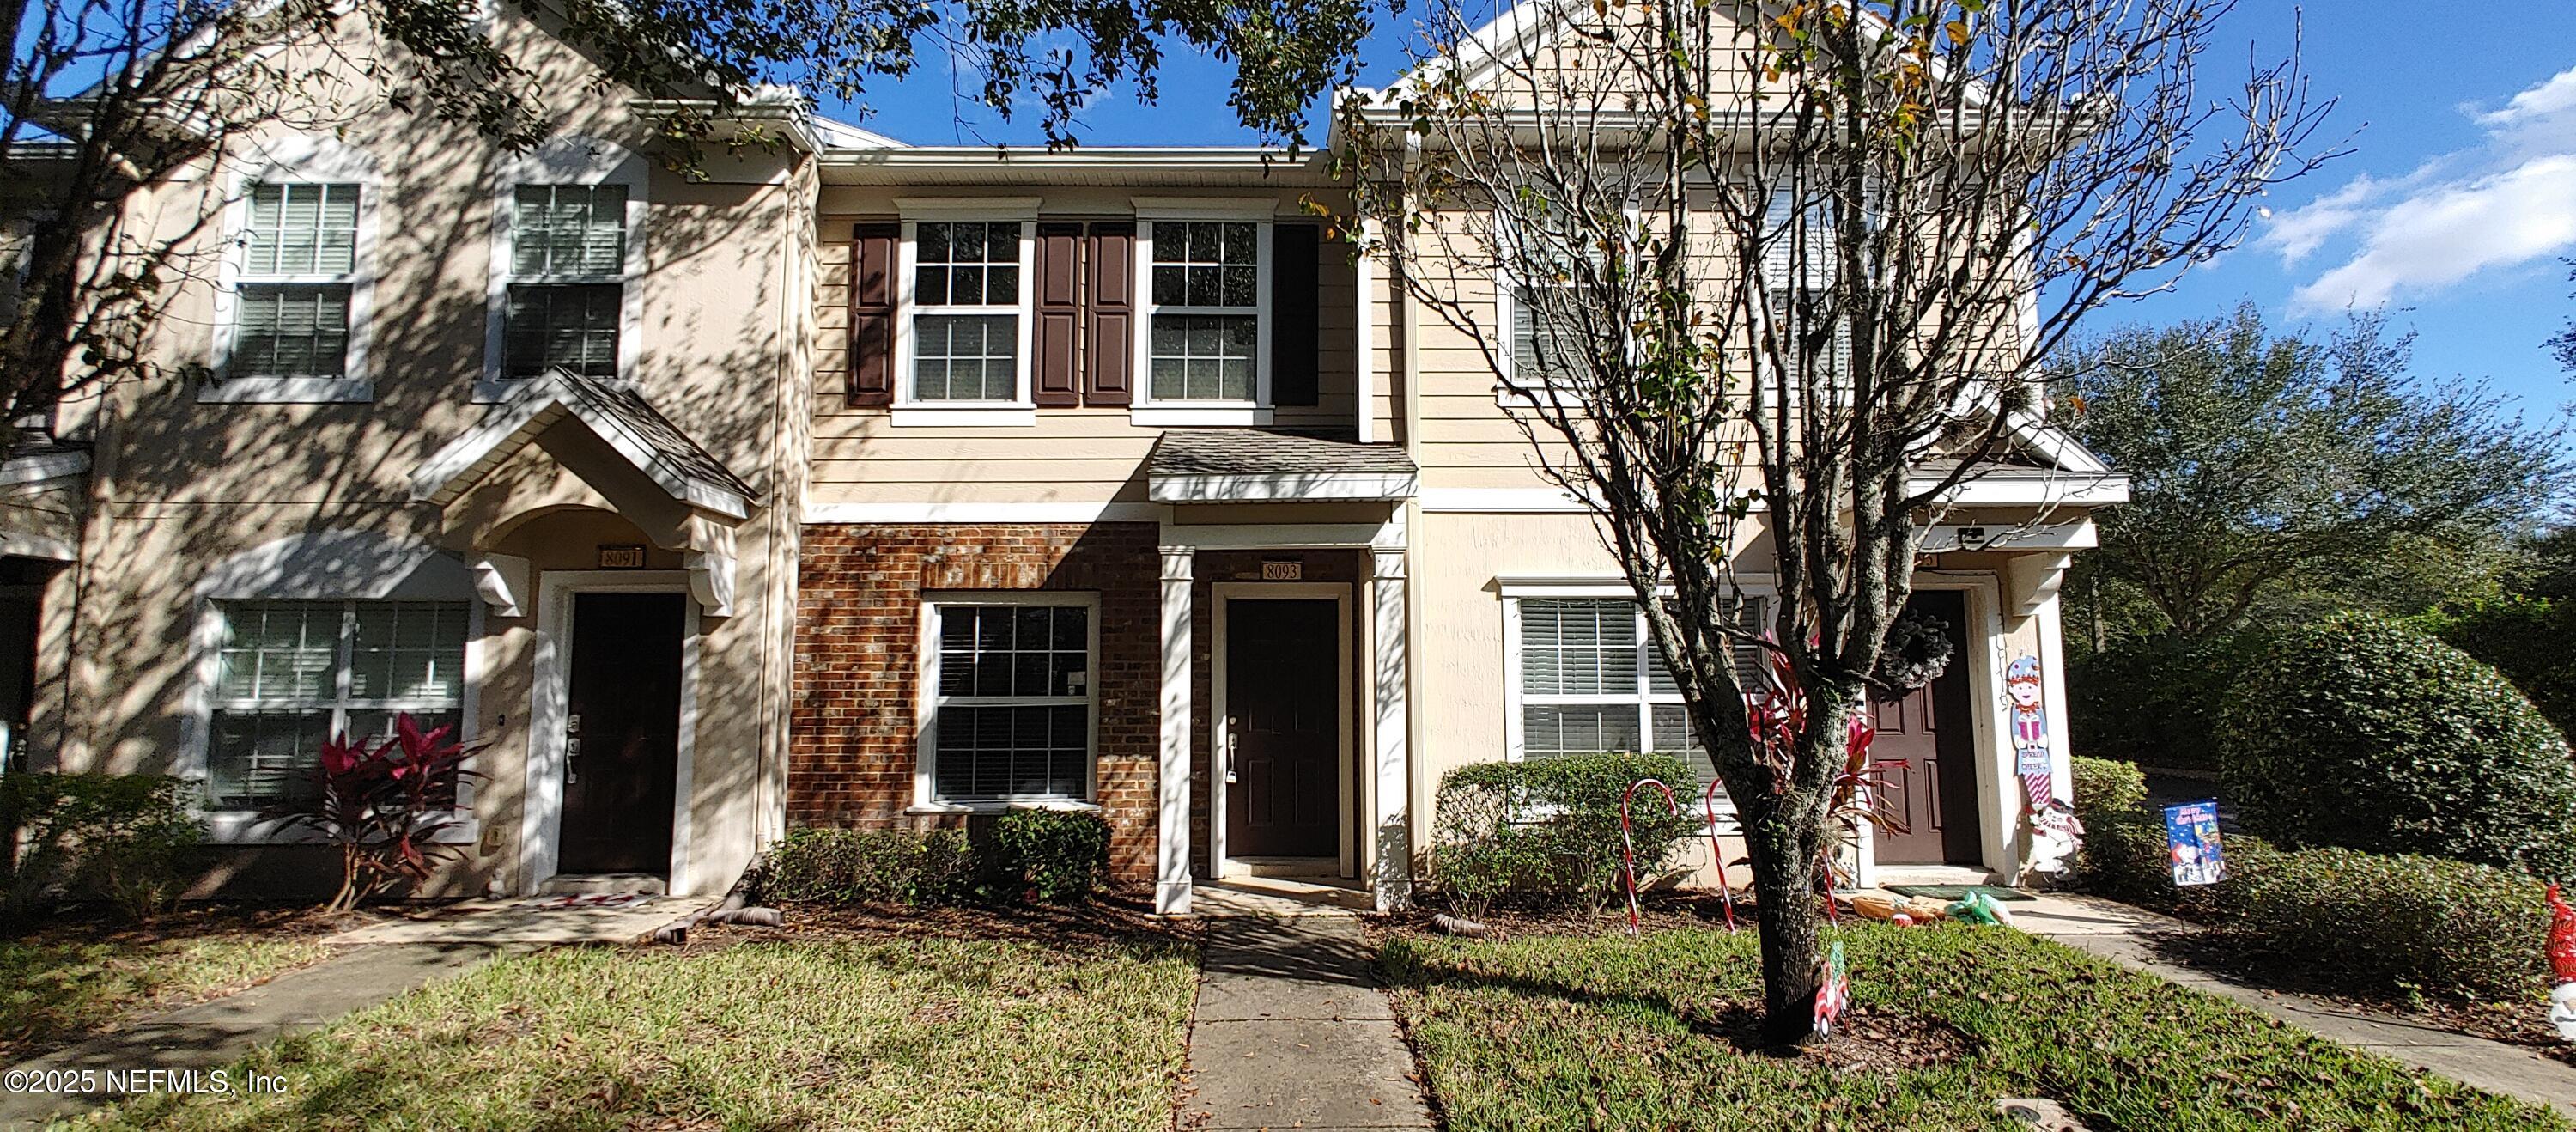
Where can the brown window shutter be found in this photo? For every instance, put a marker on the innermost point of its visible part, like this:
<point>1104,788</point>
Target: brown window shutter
<point>1296,248</point>
<point>1059,306</point>
<point>1109,365</point>
<point>872,290</point>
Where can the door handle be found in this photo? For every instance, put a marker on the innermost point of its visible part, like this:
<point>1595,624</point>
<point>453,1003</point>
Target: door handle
<point>1229,757</point>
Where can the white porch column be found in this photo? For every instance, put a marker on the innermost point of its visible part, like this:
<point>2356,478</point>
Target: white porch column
<point>1394,860</point>
<point>1172,846</point>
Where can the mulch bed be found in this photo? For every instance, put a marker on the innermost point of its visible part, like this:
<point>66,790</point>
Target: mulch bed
<point>100,924</point>
<point>1867,1040</point>
<point>1656,911</point>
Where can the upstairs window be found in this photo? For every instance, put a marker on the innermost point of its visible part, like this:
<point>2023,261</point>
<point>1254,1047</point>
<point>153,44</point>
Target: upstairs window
<point>966,311</point>
<point>566,290</point>
<point>1204,339</point>
<point>1799,265</point>
<point>299,265</point>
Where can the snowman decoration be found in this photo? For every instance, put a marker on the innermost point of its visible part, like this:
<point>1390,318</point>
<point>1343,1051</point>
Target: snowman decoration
<point>2562,965</point>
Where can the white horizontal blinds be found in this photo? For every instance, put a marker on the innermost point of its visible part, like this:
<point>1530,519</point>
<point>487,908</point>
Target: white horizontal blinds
<point>1546,334</point>
<point>966,304</point>
<point>1206,292</point>
<point>290,674</point>
<point>299,253</point>
<point>1799,258</point>
<point>568,280</point>
<point>1012,703</point>
<point>1592,680</point>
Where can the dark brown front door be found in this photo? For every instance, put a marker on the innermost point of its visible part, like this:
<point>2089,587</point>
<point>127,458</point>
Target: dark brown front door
<point>622,727</point>
<point>1935,792</point>
<point>1284,712</point>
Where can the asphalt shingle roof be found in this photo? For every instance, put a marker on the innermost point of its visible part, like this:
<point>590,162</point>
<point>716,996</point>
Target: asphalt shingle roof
<point>1250,452</point>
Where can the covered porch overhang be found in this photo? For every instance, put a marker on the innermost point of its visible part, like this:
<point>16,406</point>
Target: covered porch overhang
<point>607,435</point>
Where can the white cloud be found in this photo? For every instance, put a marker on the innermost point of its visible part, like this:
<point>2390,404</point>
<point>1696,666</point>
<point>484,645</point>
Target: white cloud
<point>2508,201</point>
<point>2439,238</point>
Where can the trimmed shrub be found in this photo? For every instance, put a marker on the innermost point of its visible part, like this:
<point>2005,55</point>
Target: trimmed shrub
<point>2354,922</point>
<point>2103,786</point>
<point>2357,732</point>
<point>119,837</point>
<point>2531,640</point>
<point>867,866</point>
<point>1548,829</point>
<point>2154,700</point>
<point>1050,856</point>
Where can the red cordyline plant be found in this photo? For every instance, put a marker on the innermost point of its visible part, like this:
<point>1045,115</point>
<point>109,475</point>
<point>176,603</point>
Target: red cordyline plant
<point>383,805</point>
<point>1777,714</point>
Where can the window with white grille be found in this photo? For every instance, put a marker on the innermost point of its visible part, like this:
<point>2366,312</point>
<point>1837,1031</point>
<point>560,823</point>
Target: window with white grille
<point>291,674</point>
<point>1011,699</point>
<point>1203,340</point>
<point>566,289</point>
<point>966,296</point>
<point>299,264</point>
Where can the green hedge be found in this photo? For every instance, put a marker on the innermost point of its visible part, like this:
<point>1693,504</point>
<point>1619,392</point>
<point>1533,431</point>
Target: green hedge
<point>121,838</point>
<point>1547,830</point>
<point>2106,786</point>
<point>2531,640</point>
<point>2358,732</point>
<point>2361,923</point>
<point>2154,700</point>
<point>1051,856</point>
<point>867,866</point>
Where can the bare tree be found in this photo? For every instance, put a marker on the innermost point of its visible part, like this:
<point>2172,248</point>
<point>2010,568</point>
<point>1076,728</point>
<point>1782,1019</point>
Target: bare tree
<point>1782,275</point>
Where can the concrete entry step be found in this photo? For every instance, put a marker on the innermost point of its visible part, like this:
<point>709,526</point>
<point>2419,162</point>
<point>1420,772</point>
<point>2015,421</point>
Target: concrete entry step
<point>597,884</point>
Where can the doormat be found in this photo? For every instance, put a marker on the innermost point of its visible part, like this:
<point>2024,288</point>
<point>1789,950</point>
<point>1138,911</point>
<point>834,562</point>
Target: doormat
<point>1958,891</point>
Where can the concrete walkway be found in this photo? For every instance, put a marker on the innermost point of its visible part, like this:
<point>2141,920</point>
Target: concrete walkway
<point>1292,1032</point>
<point>2127,935</point>
<point>214,1034</point>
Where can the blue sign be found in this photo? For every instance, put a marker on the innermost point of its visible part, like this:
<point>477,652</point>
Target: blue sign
<point>2191,843</point>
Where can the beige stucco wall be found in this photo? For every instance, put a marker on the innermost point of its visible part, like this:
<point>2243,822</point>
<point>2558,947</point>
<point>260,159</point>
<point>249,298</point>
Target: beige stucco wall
<point>181,486</point>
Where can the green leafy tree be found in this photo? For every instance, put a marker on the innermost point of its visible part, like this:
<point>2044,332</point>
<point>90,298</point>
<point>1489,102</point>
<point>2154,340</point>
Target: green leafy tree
<point>2280,472</point>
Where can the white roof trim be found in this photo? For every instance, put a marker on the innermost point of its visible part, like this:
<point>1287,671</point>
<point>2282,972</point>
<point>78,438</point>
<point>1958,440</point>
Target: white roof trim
<point>1283,487</point>
<point>525,414</point>
<point>2056,445</point>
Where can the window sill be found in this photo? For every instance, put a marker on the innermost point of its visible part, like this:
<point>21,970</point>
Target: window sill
<point>1000,807</point>
<point>245,827</point>
<point>1524,398</point>
<point>974,416</point>
<point>286,391</point>
<point>1195,416</point>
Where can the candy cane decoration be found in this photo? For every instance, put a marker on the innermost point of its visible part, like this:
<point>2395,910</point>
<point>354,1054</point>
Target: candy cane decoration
<point>1628,844</point>
<point>1717,853</point>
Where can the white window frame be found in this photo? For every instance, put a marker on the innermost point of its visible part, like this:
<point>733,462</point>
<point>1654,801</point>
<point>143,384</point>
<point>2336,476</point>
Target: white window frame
<point>1510,392</point>
<point>1816,274</point>
<point>925,793</point>
<point>565,161</point>
<point>1021,410</point>
<point>1515,747</point>
<point>310,160</point>
<point>1262,215</point>
<point>245,826</point>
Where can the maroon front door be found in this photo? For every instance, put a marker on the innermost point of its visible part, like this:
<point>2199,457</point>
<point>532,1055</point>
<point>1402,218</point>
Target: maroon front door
<point>622,728</point>
<point>1935,792</point>
<point>1284,716</point>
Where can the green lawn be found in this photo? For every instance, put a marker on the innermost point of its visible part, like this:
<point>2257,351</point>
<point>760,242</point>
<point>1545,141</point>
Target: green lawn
<point>774,1033</point>
<point>56,988</point>
<point>1619,1033</point>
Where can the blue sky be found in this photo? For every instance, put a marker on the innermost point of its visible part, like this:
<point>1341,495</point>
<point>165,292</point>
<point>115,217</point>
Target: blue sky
<point>2454,212</point>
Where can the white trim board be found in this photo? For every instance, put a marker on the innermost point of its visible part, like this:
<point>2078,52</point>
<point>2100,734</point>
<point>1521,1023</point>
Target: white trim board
<point>541,814</point>
<point>1282,487</point>
<point>1339,593</point>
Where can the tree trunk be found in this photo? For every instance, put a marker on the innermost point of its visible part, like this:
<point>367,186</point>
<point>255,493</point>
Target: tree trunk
<point>1785,838</point>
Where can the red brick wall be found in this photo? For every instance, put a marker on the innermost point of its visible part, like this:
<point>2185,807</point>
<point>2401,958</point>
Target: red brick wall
<point>858,668</point>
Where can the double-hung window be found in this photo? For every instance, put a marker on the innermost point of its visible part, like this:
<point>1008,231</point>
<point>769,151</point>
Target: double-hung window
<point>1010,699</point>
<point>299,267</point>
<point>966,311</point>
<point>291,674</point>
<point>1591,680</point>
<point>1799,261</point>
<point>1203,337</point>
<point>566,290</point>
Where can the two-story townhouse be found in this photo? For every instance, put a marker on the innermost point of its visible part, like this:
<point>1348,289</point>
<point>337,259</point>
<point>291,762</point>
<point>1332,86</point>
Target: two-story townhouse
<point>870,484</point>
